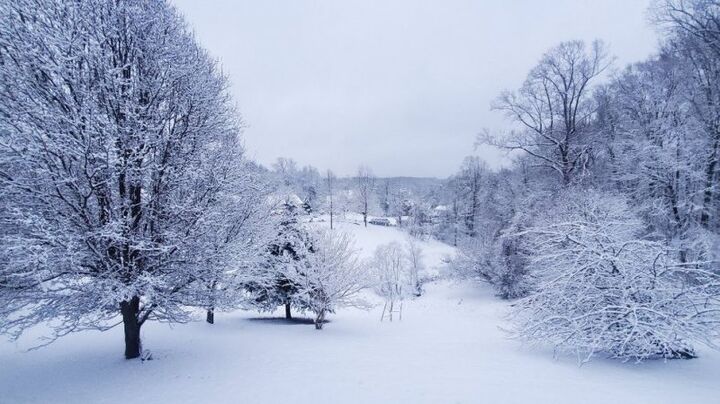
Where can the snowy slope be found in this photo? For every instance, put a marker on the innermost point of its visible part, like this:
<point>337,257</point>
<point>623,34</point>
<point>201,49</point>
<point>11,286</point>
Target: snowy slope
<point>448,348</point>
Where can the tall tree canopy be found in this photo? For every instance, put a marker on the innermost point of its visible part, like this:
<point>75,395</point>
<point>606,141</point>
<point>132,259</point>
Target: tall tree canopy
<point>121,171</point>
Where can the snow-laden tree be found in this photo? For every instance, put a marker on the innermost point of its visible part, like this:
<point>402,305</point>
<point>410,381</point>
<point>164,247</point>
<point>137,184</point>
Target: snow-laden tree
<point>401,204</point>
<point>554,109</point>
<point>274,282</point>
<point>695,40</point>
<point>332,276</point>
<point>658,126</point>
<point>419,223</point>
<point>416,264</point>
<point>365,189</point>
<point>243,220</point>
<point>286,170</point>
<point>304,183</point>
<point>392,277</point>
<point>470,182</point>
<point>309,182</point>
<point>649,135</point>
<point>384,196</point>
<point>604,289</point>
<point>651,155</point>
<point>503,202</point>
<point>119,162</point>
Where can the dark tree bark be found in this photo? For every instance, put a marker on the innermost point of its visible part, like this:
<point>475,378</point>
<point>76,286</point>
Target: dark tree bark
<point>320,320</point>
<point>210,315</point>
<point>288,315</point>
<point>130,310</point>
<point>708,193</point>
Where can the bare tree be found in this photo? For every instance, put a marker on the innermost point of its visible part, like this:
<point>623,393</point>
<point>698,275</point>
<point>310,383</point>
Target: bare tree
<point>287,169</point>
<point>385,197</point>
<point>330,183</point>
<point>414,256</point>
<point>554,108</point>
<point>390,266</point>
<point>695,26</point>
<point>365,185</point>
<point>470,183</point>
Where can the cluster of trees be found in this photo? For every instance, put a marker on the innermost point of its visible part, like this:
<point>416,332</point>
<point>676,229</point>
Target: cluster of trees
<point>306,269</point>
<point>608,224</point>
<point>126,195</point>
<point>408,200</point>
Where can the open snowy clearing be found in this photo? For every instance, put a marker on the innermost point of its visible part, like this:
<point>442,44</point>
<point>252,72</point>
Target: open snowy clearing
<point>448,348</point>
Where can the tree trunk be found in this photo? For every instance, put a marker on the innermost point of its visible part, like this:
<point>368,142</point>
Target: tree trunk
<point>210,315</point>
<point>365,218</point>
<point>130,310</point>
<point>288,315</point>
<point>319,320</point>
<point>708,193</point>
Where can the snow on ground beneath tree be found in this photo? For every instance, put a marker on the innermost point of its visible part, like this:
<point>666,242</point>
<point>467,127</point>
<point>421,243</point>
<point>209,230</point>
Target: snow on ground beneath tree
<point>448,348</point>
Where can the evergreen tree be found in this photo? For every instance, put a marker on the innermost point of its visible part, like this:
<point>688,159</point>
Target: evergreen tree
<point>274,282</point>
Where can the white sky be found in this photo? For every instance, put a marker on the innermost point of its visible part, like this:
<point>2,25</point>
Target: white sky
<point>402,86</point>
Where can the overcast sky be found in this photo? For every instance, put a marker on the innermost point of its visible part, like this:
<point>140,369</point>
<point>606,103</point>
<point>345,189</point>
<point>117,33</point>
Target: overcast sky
<point>401,86</point>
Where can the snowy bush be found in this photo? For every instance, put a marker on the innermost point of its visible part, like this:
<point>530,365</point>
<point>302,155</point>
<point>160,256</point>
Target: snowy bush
<point>333,276</point>
<point>501,262</point>
<point>511,277</point>
<point>604,290</point>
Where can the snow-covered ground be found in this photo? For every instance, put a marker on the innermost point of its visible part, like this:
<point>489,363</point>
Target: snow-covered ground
<point>448,348</point>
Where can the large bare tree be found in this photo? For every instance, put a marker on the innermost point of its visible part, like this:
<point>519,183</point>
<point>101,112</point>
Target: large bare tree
<point>554,108</point>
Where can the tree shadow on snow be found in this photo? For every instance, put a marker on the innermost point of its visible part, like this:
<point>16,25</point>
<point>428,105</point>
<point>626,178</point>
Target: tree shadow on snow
<point>286,321</point>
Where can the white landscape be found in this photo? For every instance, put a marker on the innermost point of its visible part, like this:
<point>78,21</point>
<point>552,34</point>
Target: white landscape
<point>360,201</point>
<point>448,348</point>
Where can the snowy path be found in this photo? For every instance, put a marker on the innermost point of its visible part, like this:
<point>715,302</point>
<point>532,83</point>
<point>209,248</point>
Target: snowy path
<point>447,349</point>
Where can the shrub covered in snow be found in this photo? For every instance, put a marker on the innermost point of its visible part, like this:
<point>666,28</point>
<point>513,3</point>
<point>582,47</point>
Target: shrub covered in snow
<point>333,277</point>
<point>500,261</point>
<point>602,289</point>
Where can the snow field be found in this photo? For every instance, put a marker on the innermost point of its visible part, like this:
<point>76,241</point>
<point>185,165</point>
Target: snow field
<point>449,348</point>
